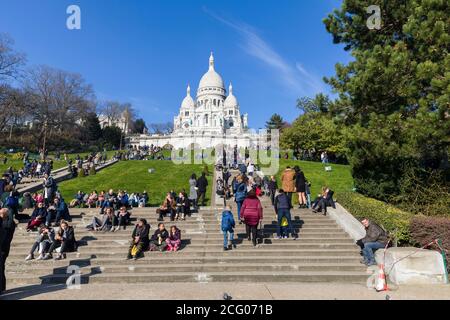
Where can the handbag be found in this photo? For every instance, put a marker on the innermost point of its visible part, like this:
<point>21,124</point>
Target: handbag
<point>134,250</point>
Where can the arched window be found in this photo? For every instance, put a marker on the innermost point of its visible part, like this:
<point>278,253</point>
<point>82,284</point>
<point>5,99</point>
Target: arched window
<point>206,119</point>
<point>214,102</point>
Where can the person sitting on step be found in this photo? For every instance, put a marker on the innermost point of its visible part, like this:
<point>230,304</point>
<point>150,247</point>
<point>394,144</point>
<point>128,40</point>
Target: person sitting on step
<point>167,207</point>
<point>107,223</point>
<point>64,241</point>
<point>183,206</point>
<point>140,240</point>
<point>123,218</point>
<point>158,240</point>
<point>43,242</point>
<point>38,217</point>
<point>174,240</point>
<point>58,210</point>
<point>227,226</point>
<point>323,201</point>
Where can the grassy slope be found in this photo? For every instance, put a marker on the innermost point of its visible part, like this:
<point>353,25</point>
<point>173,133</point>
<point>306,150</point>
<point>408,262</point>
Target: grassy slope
<point>339,179</point>
<point>133,176</point>
<point>18,164</point>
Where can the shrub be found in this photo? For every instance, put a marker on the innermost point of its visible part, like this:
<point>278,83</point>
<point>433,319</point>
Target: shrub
<point>81,173</point>
<point>392,219</point>
<point>92,171</point>
<point>427,229</point>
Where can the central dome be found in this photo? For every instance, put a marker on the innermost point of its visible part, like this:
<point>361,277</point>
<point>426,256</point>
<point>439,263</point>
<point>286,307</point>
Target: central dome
<point>211,78</point>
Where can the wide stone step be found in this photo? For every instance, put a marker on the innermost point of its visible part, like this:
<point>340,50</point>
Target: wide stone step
<point>174,259</point>
<point>268,252</point>
<point>150,268</point>
<point>193,239</point>
<point>123,247</point>
<point>203,277</point>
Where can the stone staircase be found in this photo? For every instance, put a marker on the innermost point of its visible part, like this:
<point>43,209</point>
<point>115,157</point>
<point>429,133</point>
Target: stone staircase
<point>323,253</point>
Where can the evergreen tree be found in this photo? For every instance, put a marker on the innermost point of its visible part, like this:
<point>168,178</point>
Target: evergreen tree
<point>275,122</point>
<point>394,96</point>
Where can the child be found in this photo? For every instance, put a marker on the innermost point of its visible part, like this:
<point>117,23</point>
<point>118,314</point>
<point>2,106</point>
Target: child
<point>228,225</point>
<point>308,194</point>
<point>174,240</point>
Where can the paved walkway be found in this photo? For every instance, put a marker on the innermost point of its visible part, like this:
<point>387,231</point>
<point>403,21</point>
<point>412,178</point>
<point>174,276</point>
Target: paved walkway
<point>215,291</point>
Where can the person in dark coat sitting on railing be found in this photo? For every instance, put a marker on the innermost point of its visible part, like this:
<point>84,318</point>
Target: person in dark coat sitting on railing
<point>376,238</point>
<point>140,240</point>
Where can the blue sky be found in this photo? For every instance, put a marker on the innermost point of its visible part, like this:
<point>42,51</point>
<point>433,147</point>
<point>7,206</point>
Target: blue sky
<point>146,52</point>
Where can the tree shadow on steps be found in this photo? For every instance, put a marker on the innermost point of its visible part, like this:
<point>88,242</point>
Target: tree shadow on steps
<point>57,281</point>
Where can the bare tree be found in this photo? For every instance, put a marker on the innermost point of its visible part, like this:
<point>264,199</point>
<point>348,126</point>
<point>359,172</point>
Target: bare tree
<point>57,99</point>
<point>161,128</point>
<point>10,60</point>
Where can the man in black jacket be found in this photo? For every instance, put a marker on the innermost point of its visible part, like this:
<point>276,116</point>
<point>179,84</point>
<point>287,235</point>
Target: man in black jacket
<point>140,239</point>
<point>7,228</point>
<point>202,184</point>
<point>376,238</point>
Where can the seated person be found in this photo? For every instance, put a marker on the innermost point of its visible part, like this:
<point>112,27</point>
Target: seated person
<point>183,206</point>
<point>123,199</point>
<point>174,240</point>
<point>123,218</point>
<point>376,238</point>
<point>167,207</point>
<point>78,200</point>
<point>110,200</point>
<point>64,241</point>
<point>57,211</point>
<point>38,217</point>
<point>143,200</point>
<point>100,199</point>
<point>140,240</point>
<point>107,223</point>
<point>92,199</point>
<point>44,240</point>
<point>158,240</point>
<point>323,201</point>
<point>133,200</point>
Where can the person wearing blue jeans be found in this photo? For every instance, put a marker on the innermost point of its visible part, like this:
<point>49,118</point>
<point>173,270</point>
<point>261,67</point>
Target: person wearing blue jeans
<point>227,226</point>
<point>376,238</point>
<point>240,195</point>
<point>283,209</point>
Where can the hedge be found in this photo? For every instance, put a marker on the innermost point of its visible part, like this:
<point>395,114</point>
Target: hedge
<point>427,229</point>
<point>392,219</point>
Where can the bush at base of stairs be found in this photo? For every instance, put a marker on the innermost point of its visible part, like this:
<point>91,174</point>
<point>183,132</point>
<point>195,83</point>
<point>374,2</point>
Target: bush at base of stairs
<point>392,219</point>
<point>424,230</point>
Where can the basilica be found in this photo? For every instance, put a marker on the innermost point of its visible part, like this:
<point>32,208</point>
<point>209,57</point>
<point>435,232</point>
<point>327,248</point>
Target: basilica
<point>212,118</point>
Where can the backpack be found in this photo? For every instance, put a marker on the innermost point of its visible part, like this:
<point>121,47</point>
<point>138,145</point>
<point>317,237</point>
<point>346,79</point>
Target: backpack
<point>241,193</point>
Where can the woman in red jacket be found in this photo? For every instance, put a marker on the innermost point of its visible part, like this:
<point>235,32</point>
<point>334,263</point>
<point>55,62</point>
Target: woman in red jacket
<point>251,214</point>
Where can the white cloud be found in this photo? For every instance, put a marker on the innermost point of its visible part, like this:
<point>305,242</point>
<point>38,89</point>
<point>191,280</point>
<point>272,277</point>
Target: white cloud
<point>294,77</point>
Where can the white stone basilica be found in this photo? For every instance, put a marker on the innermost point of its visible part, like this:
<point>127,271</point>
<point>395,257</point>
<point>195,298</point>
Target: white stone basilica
<point>213,118</point>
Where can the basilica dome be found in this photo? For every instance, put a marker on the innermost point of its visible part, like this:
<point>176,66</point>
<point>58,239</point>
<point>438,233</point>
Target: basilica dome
<point>211,79</point>
<point>231,100</point>
<point>188,102</point>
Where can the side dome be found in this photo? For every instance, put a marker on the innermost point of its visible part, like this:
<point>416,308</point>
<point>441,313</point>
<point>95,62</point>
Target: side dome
<point>211,78</point>
<point>188,102</point>
<point>231,100</point>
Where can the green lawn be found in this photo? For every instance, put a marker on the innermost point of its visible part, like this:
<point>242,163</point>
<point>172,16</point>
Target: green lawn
<point>18,164</point>
<point>133,176</point>
<point>339,179</point>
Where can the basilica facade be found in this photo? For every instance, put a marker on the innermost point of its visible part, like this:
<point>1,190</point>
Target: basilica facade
<point>212,118</point>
